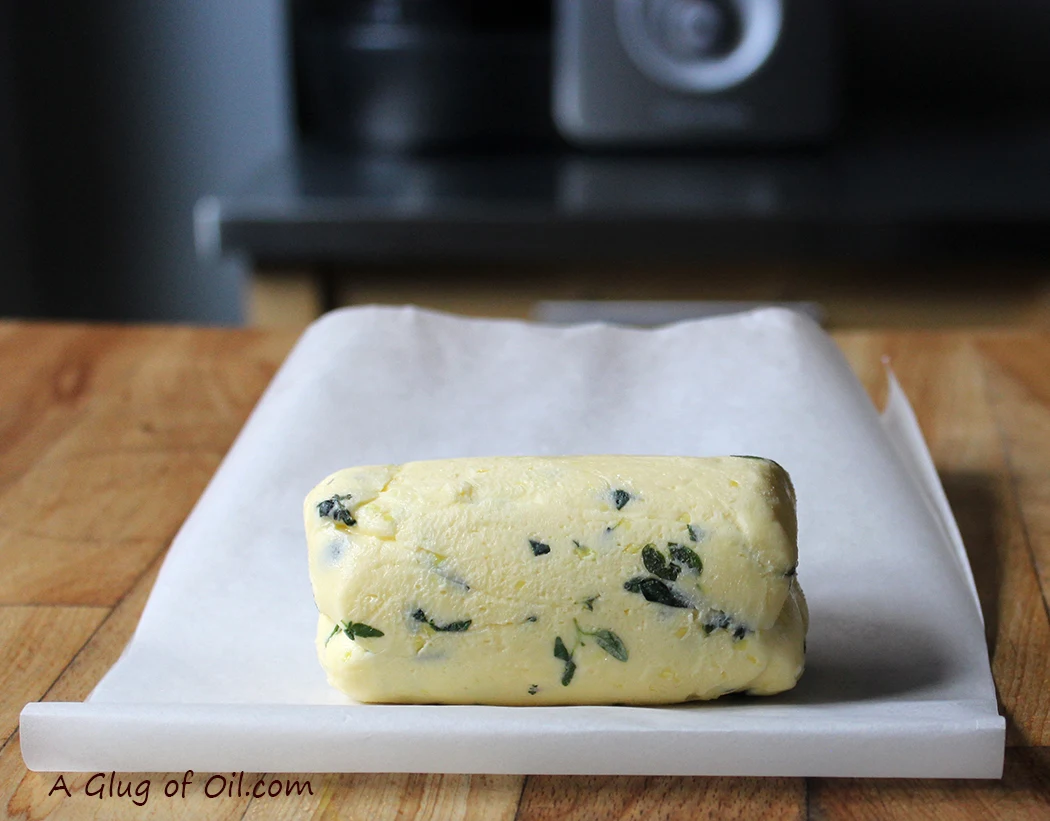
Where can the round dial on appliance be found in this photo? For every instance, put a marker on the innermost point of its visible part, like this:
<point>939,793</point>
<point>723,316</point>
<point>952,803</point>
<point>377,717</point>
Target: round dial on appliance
<point>699,45</point>
<point>695,29</point>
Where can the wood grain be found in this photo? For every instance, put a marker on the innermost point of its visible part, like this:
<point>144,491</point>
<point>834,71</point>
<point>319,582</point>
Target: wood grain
<point>36,643</point>
<point>1023,793</point>
<point>108,435</point>
<point>1019,387</point>
<point>78,530</point>
<point>26,794</point>
<point>398,797</point>
<point>47,369</point>
<point>580,798</point>
<point>119,410</point>
<point>1033,494</point>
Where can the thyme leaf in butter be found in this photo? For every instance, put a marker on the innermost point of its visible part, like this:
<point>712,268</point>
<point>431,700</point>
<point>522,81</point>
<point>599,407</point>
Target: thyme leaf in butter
<point>656,564</point>
<point>686,556</point>
<point>652,560</point>
<point>620,498</point>
<point>453,626</point>
<point>539,548</point>
<point>695,533</point>
<point>334,508</point>
<point>611,644</point>
<point>606,639</point>
<point>561,652</point>
<point>656,591</point>
<point>355,630</point>
<point>588,603</point>
<point>450,627</point>
<point>717,621</point>
<point>364,630</point>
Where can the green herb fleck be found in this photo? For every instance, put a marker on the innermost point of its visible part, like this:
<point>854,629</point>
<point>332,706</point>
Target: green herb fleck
<point>451,627</point>
<point>562,653</point>
<point>655,591</point>
<point>695,533</point>
<point>606,639</point>
<point>686,556</point>
<point>611,644</point>
<point>718,621</point>
<point>620,498</point>
<point>656,564</point>
<point>740,632</point>
<point>530,619</point>
<point>355,630</point>
<point>335,509</point>
<point>588,603</point>
<point>539,548</point>
<point>364,631</point>
<point>533,689</point>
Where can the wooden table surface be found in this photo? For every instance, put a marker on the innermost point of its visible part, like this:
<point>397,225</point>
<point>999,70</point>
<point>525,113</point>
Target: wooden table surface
<point>108,436</point>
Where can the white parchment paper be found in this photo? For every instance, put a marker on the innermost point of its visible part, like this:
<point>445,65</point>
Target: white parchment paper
<point>221,673</point>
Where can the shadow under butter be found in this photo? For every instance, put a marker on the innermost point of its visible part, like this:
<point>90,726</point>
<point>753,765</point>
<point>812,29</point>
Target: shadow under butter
<point>866,660</point>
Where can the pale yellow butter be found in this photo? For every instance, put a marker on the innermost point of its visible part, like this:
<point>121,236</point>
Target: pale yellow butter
<point>570,580</point>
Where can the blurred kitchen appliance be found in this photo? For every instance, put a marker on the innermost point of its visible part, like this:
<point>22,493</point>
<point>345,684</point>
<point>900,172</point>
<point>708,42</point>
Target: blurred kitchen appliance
<point>694,72</point>
<point>418,138</point>
<point>422,75</point>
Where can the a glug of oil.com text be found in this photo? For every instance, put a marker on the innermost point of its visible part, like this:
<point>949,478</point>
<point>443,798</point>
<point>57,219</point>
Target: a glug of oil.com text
<point>115,786</point>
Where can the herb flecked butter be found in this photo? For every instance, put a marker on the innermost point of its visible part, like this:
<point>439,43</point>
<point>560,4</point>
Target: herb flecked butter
<point>569,580</point>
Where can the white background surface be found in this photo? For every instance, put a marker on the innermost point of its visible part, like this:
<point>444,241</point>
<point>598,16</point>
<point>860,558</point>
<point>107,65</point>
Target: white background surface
<point>222,673</point>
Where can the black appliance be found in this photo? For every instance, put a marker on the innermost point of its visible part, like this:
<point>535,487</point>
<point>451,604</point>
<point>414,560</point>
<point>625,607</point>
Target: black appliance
<point>414,75</point>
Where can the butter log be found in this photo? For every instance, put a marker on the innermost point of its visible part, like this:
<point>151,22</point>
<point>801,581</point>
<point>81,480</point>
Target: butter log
<point>569,580</point>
